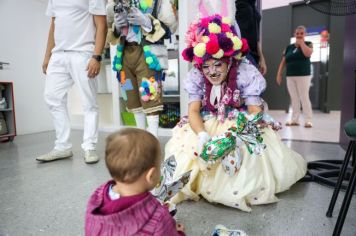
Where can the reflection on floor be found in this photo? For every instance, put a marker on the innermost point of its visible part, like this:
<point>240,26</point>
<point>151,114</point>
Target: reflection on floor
<point>326,127</point>
<point>50,199</point>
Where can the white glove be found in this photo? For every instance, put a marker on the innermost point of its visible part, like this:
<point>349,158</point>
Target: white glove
<point>250,116</point>
<point>136,17</point>
<point>120,20</point>
<point>203,137</point>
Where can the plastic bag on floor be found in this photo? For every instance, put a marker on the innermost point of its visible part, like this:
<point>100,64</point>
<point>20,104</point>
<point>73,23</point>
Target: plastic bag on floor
<point>221,230</point>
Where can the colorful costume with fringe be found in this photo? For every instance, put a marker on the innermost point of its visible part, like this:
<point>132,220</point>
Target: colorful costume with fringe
<point>141,59</point>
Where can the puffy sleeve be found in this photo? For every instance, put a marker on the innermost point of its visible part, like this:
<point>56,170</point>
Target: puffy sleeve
<point>251,83</point>
<point>194,85</point>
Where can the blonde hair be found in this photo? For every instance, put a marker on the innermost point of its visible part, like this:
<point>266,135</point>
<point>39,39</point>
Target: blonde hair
<point>130,152</point>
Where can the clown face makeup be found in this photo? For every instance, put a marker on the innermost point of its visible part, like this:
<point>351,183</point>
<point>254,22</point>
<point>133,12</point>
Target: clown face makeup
<point>215,71</point>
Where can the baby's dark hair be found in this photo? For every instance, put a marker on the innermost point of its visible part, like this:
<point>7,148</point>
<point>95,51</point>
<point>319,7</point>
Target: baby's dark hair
<point>130,152</point>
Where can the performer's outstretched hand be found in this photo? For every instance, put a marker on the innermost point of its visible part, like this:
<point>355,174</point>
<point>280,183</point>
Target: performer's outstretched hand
<point>120,20</point>
<point>203,137</point>
<point>136,17</point>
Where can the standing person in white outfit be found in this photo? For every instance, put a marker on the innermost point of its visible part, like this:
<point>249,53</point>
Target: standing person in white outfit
<point>75,43</point>
<point>296,58</point>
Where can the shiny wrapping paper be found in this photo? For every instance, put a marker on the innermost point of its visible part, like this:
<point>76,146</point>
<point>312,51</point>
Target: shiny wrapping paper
<point>226,146</point>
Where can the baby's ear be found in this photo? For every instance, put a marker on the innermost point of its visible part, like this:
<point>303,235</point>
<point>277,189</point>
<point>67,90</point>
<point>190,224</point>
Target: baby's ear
<point>150,175</point>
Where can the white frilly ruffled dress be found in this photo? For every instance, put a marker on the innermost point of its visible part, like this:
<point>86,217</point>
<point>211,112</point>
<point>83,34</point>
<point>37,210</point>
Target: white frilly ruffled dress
<point>259,178</point>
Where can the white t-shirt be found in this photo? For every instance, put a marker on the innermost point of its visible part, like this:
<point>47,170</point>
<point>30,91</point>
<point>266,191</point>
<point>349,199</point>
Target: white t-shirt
<point>74,27</point>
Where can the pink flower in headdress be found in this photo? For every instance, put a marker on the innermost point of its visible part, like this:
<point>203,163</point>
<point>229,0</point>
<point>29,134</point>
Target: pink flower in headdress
<point>188,54</point>
<point>225,28</point>
<point>205,22</point>
<point>198,37</point>
<point>192,37</point>
<point>229,53</point>
<point>212,37</point>
<point>198,60</point>
<point>212,46</point>
<point>245,47</point>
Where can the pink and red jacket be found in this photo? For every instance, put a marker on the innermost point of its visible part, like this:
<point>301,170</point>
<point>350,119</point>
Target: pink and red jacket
<point>134,215</point>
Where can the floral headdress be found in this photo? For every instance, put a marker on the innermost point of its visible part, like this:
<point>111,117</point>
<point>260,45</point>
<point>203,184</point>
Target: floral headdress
<point>213,37</point>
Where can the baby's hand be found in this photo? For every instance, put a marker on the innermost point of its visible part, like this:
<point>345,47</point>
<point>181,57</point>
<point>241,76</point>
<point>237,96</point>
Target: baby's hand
<point>179,227</point>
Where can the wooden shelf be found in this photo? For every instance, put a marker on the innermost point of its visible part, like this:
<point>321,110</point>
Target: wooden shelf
<point>8,109</point>
<point>8,113</point>
<point>171,95</point>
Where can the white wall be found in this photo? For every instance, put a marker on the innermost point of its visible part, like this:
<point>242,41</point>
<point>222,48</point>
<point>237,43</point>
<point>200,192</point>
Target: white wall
<point>266,4</point>
<point>23,38</point>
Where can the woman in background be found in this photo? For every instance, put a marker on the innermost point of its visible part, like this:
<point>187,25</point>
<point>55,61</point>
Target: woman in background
<point>296,58</point>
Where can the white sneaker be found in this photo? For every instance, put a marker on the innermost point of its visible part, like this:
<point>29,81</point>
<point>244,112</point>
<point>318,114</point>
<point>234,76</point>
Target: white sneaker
<point>90,157</point>
<point>55,155</point>
<point>3,104</point>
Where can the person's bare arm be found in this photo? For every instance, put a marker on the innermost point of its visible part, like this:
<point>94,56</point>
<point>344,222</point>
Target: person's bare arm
<point>100,37</point>
<point>262,62</point>
<point>195,120</point>
<point>50,46</point>
<point>280,70</point>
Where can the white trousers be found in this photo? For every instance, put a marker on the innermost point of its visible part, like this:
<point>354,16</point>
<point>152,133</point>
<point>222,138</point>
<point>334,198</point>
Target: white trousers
<point>65,69</point>
<point>298,88</point>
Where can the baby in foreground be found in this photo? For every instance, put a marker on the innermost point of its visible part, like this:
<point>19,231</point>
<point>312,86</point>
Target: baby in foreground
<point>124,205</point>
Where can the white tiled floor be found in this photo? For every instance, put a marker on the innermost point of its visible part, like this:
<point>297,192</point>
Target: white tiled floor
<point>326,127</point>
